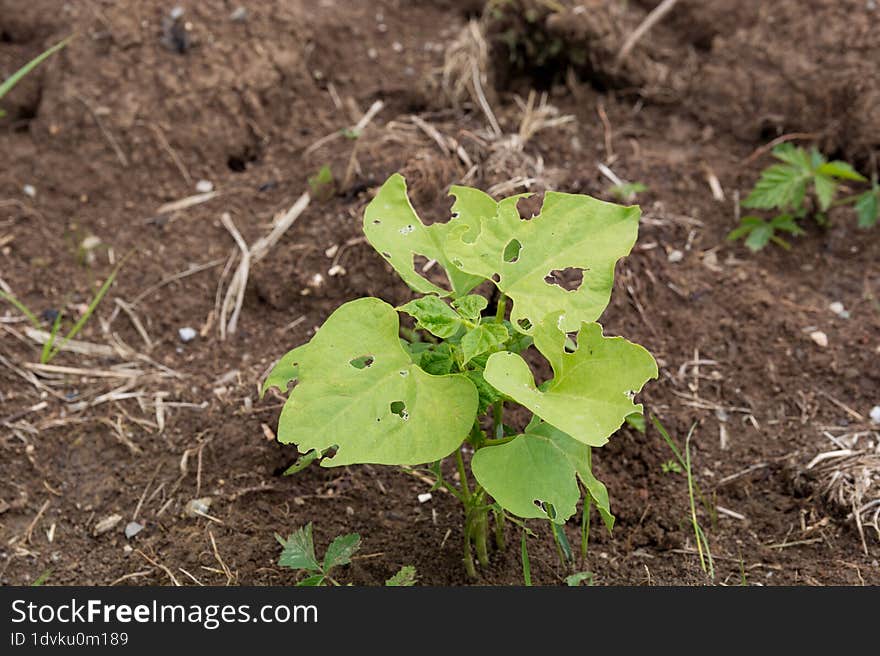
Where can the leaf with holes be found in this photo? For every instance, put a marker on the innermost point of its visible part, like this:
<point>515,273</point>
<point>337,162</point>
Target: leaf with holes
<point>589,395</point>
<point>393,228</point>
<point>542,466</point>
<point>358,390</point>
<point>528,259</point>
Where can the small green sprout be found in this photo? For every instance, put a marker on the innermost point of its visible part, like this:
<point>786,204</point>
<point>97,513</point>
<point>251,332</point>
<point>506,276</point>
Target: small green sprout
<point>803,184</point>
<point>670,467</point>
<point>299,554</point>
<point>626,192</point>
<point>16,77</point>
<point>323,184</point>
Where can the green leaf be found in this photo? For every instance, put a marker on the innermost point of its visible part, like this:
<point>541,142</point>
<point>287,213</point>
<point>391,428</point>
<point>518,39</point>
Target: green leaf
<point>786,223</point>
<point>16,77</point>
<point>487,394</point>
<point>438,361</point>
<point>825,190</point>
<point>322,184</point>
<point>537,468</point>
<point>311,581</point>
<point>434,315</point>
<point>571,232</point>
<point>867,208</point>
<point>284,371</point>
<point>759,237</point>
<point>637,421</point>
<point>404,578</point>
<point>780,186</point>
<point>471,306</point>
<point>482,339</point>
<point>341,550</point>
<point>393,228</point>
<point>794,155</point>
<point>574,580</point>
<point>299,551</point>
<point>840,170</point>
<point>590,394</point>
<point>352,375</point>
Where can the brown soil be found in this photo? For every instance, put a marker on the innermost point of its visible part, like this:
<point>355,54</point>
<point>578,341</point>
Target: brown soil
<point>119,123</point>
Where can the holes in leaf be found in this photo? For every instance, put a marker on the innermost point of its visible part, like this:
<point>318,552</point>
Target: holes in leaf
<point>496,278</point>
<point>403,372</point>
<point>386,255</point>
<point>362,362</point>
<point>376,222</point>
<point>571,344</point>
<point>431,270</point>
<point>570,279</point>
<point>524,323</point>
<point>530,206</point>
<point>511,251</point>
<point>399,408</point>
<point>405,230</point>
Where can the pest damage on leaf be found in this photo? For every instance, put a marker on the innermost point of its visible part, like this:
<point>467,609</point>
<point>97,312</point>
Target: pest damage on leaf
<point>372,391</point>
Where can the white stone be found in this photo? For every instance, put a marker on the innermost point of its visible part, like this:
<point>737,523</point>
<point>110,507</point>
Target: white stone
<point>187,334</point>
<point>29,190</point>
<point>875,414</point>
<point>204,186</point>
<point>423,498</point>
<point>820,338</point>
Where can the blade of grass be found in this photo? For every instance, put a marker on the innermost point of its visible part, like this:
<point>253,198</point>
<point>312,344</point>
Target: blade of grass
<point>702,542</point>
<point>47,354</point>
<point>585,524</point>
<point>88,313</point>
<point>21,307</point>
<point>526,566</point>
<point>16,77</point>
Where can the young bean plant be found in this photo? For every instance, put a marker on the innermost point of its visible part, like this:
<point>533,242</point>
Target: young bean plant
<point>365,394</point>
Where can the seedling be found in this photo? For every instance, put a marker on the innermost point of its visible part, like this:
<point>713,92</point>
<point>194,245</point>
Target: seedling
<point>364,394</point>
<point>670,467</point>
<point>51,347</point>
<point>804,184</point>
<point>684,463</point>
<point>322,184</point>
<point>299,555</point>
<point>627,191</point>
<point>16,77</point>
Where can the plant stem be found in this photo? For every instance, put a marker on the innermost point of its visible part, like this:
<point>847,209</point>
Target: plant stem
<point>462,474</point>
<point>499,441</point>
<point>502,308</point>
<point>498,419</point>
<point>499,529</point>
<point>468,556</point>
<point>481,528</point>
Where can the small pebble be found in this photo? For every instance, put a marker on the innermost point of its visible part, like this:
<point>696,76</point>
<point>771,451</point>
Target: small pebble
<point>875,414</point>
<point>204,186</point>
<point>198,507</point>
<point>132,529</point>
<point>820,338</point>
<point>397,46</point>
<point>106,524</point>
<point>239,15</point>
<point>675,256</point>
<point>29,190</point>
<point>423,498</point>
<point>187,334</point>
<point>837,308</point>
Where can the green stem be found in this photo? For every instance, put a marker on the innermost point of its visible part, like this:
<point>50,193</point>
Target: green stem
<point>480,525</point>
<point>498,419</point>
<point>502,308</point>
<point>462,474</point>
<point>499,529</point>
<point>499,441</point>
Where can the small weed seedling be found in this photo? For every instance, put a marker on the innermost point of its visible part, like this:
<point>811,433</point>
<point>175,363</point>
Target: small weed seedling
<point>626,192</point>
<point>51,347</point>
<point>366,394</point>
<point>299,554</point>
<point>684,464</point>
<point>803,184</point>
<point>16,77</point>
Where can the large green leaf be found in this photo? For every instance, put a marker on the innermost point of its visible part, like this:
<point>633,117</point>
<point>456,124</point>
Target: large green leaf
<point>590,394</point>
<point>393,228</point>
<point>572,232</point>
<point>360,391</point>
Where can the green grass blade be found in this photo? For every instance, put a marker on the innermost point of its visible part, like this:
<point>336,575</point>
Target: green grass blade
<point>669,441</point>
<point>47,353</point>
<point>21,307</point>
<point>526,566</point>
<point>88,313</point>
<point>585,524</point>
<point>42,578</point>
<point>16,77</point>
